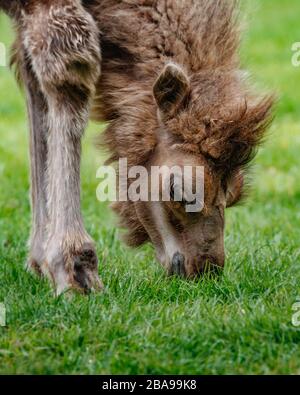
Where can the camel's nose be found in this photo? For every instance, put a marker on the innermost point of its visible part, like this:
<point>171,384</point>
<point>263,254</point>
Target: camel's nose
<point>177,265</point>
<point>195,268</point>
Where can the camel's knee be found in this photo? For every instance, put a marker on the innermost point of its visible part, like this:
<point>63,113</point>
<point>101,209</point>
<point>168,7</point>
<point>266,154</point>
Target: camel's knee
<point>62,40</point>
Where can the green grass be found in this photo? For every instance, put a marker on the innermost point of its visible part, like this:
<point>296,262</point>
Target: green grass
<point>146,322</point>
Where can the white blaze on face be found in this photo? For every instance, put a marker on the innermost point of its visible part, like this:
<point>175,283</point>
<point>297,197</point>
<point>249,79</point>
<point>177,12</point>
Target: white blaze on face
<point>170,242</point>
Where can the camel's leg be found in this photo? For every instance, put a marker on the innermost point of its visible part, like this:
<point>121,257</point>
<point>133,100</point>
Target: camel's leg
<point>37,111</point>
<point>65,57</point>
<point>70,255</point>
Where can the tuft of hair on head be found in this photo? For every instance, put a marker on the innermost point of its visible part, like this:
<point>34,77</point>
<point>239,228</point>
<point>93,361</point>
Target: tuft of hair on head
<point>234,143</point>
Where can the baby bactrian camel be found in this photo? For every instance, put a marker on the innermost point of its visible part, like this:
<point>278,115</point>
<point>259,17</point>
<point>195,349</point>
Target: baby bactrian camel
<point>165,74</point>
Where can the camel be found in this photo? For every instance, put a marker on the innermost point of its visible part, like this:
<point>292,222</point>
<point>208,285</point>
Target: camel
<point>166,76</point>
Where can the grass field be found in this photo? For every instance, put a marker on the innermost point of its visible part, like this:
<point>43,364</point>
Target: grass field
<point>147,323</point>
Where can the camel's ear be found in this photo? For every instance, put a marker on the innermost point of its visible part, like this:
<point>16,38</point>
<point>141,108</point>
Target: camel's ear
<point>234,189</point>
<point>171,89</point>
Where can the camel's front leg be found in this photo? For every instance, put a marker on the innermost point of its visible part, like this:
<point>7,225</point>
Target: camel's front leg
<point>70,257</point>
<point>62,41</point>
<point>37,111</point>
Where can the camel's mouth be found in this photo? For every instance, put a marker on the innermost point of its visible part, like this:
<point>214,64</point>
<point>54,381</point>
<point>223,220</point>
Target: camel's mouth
<point>195,268</point>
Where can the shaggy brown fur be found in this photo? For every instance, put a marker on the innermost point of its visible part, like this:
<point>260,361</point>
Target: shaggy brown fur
<point>57,56</point>
<point>220,118</point>
<point>172,92</point>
